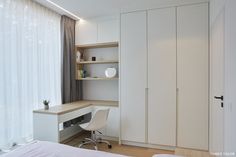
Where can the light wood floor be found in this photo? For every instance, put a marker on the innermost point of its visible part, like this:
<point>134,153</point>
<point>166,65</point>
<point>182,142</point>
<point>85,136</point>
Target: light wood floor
<point>191,153</point>
<point>134,151</point>
<point>118,149</point>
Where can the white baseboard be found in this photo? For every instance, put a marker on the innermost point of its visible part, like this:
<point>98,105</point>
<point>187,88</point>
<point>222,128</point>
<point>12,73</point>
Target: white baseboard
<point>109,138</point>
<point>170,148</point>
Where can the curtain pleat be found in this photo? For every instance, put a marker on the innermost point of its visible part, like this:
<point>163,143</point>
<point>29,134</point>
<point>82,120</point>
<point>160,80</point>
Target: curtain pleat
<point>30,66</point>
<point>71,89</point>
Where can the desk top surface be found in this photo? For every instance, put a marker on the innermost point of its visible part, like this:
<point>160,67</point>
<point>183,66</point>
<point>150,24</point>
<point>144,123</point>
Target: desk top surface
<point>65,108</point>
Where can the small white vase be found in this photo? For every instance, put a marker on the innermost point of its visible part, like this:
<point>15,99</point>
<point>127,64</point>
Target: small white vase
<point>78,56</point>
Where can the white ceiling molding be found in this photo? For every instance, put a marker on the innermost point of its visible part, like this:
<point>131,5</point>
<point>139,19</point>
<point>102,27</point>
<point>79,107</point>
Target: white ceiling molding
<point>57,8</point>
<point>100,8</point>
<point>157,4</point>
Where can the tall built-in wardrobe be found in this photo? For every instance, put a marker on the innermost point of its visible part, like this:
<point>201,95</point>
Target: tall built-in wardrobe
<point>164,77</point>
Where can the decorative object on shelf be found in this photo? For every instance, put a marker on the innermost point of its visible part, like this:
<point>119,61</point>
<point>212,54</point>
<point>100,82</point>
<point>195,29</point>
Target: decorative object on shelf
<point>79,73</point>
<point>78,57</point>
<point>81,60</point>
<point>93,58</point>
<point>46,104</point>
<point>82,73</point>
<point>110,72</point>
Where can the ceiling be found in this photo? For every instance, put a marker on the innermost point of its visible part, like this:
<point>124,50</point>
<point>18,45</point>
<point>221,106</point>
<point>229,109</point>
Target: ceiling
<point>98,8</point>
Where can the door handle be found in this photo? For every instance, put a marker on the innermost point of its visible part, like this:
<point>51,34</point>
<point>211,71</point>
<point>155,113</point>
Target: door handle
<point>219,97</point>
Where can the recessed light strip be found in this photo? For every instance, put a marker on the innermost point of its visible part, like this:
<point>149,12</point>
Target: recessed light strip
<point>59,7</point>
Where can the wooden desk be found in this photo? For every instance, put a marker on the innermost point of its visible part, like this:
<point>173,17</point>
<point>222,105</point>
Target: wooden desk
<point>46,122</point>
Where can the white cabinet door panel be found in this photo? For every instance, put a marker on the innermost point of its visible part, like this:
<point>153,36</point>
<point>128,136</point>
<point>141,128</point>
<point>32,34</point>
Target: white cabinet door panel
<point>108,31</point>
<point>86,32</point>
<point>133,76</point>
<point>162,76</point>
<point>192,79</point>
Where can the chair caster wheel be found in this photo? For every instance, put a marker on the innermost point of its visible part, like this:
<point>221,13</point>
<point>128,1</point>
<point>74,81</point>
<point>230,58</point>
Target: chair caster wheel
<point>109,146</point>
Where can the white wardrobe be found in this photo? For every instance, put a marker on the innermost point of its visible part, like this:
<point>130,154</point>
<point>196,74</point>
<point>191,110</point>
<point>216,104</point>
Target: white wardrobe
<point>164,77</point>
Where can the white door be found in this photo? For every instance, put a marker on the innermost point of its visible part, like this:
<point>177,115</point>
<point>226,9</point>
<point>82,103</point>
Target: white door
<point>217,83</point>
<point>192,76</point>
<point>133,76</point>
<point>162,76</point>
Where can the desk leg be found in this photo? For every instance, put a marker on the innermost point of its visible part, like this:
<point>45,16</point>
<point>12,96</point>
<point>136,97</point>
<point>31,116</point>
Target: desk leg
<point>46,127</point>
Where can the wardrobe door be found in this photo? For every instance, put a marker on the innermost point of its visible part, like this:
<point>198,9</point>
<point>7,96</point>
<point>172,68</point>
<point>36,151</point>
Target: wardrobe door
<point>192,79</point>
<point>133,76</point>
<point>162,76</point>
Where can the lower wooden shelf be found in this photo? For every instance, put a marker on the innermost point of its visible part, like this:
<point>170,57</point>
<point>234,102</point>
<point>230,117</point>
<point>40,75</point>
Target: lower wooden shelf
<point>97,78</point>
<point>99,62</point>
<point>103,102</point>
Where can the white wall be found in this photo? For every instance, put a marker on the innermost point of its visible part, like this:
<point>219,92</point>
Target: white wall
<point>229,6</point>
<point>101,90</point>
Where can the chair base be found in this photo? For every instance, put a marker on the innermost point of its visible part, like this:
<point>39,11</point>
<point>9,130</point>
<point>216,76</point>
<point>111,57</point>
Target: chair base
<point>93,140</point>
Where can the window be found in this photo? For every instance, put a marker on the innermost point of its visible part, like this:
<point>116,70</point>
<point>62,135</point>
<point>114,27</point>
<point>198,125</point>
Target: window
<point>30,66</point>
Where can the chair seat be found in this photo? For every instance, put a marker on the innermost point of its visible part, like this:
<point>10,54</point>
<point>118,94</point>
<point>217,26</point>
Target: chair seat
<point>84,126</point>
<point>89,127</point>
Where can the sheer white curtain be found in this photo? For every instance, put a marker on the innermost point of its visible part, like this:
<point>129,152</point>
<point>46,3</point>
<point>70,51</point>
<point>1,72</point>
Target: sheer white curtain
<point>30,66</point>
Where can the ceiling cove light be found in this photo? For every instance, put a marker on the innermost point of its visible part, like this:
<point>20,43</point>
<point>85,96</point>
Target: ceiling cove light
<point>59,7</point>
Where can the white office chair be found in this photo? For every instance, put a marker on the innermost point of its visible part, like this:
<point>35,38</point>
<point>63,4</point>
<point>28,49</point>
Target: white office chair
<point>97,122</point>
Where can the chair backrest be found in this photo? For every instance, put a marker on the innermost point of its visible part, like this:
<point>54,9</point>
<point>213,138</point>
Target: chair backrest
<point>99,120</point>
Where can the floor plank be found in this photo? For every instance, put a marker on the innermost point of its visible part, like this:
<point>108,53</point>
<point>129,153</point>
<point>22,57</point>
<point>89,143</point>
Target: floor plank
<point>116,148</point>
<point>191,153</point>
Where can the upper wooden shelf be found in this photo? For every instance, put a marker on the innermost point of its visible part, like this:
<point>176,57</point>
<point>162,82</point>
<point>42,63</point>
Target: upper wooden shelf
<point>99,45</point>
<point>99,62</point>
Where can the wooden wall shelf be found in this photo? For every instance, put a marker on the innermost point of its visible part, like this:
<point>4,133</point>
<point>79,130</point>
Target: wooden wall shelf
<point>99,62</point>
<point>98,45</point>
<point>94,79</point>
